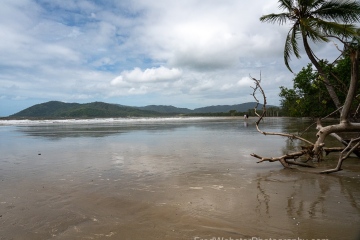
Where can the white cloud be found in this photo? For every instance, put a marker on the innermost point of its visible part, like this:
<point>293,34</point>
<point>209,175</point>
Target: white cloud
<point>186,53</point>
<point>207,35</point>
<point>140,90</point>
<point>245,81</point>
<point>119,81</point>
<point>140,82</point>
<point>152,74</point>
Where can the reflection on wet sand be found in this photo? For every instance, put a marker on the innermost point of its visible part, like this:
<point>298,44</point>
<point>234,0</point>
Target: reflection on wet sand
<point>178,182</point>
<point>308,199</point>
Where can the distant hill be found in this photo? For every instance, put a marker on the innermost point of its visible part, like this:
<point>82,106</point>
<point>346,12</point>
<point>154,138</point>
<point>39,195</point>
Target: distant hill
<point>244,107</point>
<point>52,108</point>
<point>56,109</point>
<point>166,109</point>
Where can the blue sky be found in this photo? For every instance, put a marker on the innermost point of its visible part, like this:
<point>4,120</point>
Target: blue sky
<point>185,53</point>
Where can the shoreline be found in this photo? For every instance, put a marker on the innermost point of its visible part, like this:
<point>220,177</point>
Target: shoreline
<point>27,121</point>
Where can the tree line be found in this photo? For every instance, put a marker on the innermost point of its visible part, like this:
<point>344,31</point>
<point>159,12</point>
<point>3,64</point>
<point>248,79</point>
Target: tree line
<point>309,97</point>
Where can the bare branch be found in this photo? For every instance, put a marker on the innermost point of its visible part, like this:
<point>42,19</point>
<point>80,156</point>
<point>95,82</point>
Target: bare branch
<point>259,88</point>
<point>336,149</point>
<point>320,120</point>
<point>284,160</point>
<point>343,157</point>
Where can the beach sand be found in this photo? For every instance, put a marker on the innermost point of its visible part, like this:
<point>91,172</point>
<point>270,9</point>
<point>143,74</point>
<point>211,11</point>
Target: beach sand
<point>180,181</point>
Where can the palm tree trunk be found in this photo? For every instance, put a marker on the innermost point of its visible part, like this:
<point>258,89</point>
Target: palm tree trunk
<point>354,56</point>
<point>328,86</point>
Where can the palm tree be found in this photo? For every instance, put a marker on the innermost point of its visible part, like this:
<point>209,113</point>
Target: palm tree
<point>316,20</point>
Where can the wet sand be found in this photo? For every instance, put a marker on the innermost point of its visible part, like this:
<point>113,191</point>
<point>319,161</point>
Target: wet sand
<point>167,180</point>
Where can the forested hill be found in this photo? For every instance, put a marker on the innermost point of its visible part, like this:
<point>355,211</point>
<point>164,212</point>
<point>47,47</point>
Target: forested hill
<point>244,107</point>
<point>166,109</point>
<point>56,109</point>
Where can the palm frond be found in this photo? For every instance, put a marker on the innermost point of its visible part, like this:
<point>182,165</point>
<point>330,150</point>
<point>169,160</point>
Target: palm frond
<point>356,38</point>
<point>304,5</point>
<point>287,51</point>
<point>291,45</point>
<point>286,5</point>
<point>310,29</point>
<point>317,3</point>
<point>280,18</point>
<point>294,40</point>
<point>316,20</point>
<point>337,29</point>
<point>339,11</point>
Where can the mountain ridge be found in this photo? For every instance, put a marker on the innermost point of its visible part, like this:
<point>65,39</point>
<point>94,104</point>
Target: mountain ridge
<point>58,109</point>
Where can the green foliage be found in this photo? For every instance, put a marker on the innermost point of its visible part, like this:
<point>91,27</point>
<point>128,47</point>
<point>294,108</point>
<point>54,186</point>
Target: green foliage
<point>309,97</point>
<point>289,101</point>
<point>226,108</point>
<point>232,112</point>
<point>339,75</point>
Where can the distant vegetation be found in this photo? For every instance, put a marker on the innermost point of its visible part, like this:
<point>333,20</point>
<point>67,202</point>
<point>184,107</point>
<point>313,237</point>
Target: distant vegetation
<point>56,109</point>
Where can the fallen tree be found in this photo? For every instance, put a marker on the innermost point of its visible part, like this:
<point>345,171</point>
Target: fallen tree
<point>313,151</point>
<point>320,21</point>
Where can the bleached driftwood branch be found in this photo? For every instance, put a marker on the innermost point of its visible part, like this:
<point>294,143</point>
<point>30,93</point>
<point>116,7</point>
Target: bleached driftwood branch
<point>313,149</point>
<point>261,117</point>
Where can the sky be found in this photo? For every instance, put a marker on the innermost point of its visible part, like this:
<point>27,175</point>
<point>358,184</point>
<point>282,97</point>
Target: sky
<point>184,53</point>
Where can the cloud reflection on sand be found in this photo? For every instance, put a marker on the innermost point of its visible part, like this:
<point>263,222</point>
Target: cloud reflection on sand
<point>146,179</point>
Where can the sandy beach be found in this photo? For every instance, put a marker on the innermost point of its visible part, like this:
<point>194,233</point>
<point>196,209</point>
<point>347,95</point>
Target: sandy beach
<point>184,179</point>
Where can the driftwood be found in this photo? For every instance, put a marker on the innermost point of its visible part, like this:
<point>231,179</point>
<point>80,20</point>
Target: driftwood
<point>339,149</point>
<point>285,159</point>
<point>314,150</point>
<point>344,155</point>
